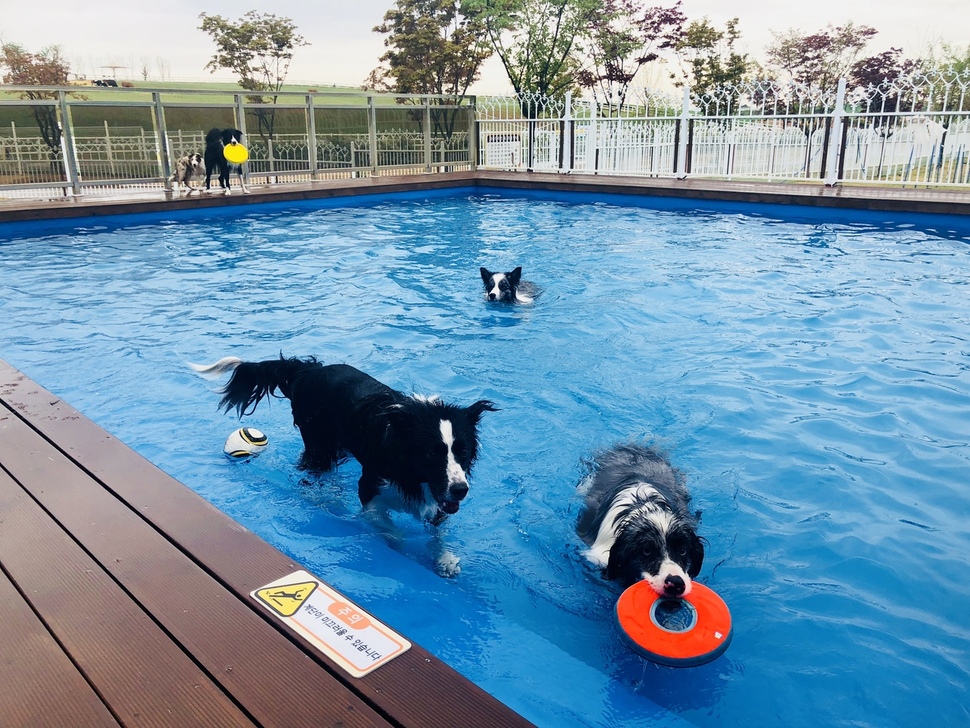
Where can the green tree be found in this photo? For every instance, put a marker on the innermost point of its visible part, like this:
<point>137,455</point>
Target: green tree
<point>258,48</point>
<point>46,68</point>
<point>538,41</point>
<point>432,48</point>
<point>818,59</point>
<point>708,58</point>
<point>621,40</point>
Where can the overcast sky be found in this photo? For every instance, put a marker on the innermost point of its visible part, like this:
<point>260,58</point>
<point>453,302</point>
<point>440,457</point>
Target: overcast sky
<point>164,36</point>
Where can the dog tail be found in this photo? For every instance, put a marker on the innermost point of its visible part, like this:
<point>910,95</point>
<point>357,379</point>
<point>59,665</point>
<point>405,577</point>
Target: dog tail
<point>252,381</point>
<point>211,371</point>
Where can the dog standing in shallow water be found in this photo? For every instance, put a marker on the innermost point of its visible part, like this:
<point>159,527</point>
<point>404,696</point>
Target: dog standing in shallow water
<point>415,452</point>
<point>508,287</point>
<point>637,522</point>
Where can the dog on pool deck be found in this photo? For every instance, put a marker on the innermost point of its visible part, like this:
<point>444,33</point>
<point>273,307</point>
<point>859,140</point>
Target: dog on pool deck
<point>508,287</point>
<point>636,521</point>
<point>215,159</point>
<point>188,169</point>
<point>415,452</point>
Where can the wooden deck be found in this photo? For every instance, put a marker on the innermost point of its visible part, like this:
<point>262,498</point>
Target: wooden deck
<point>125,600</point>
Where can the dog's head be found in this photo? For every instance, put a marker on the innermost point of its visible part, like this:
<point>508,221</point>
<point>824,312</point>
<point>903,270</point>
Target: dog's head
<point>195,163</point>
<point>657,546</point>
<point>440,444</point>
<point>231,136</point>
<point>501,286</point>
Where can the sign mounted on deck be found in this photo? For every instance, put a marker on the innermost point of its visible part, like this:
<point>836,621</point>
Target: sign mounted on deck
<point>338,628</point>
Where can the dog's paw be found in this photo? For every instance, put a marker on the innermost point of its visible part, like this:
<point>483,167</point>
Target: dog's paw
<point>228,191</point>
<point>447,565</point>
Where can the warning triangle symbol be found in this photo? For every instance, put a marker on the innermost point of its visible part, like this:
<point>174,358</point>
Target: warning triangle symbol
<point>286,599</point>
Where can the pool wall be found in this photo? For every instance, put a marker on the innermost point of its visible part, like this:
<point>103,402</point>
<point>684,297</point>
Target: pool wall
<point>877,199</point>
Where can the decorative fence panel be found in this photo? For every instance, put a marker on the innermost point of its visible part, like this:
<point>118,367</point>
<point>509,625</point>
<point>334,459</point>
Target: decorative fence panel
<point>909,131</point>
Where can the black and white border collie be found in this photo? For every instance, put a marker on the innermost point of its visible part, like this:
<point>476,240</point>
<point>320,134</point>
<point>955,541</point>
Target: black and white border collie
<point>636,521</point>
<point>188,169</point>
<point>508,287</point>
<point>415,452</point>
<point>215,160</point>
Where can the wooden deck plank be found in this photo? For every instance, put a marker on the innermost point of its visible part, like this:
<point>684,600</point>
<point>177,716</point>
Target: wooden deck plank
<point>415,689</point>
<point>137,669</point>
<point>31,663</point>
<point>229,640</point>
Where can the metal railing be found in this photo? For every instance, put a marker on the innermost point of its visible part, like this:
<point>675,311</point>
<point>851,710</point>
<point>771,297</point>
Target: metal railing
<point>58,143</point>
<point>911,131</point>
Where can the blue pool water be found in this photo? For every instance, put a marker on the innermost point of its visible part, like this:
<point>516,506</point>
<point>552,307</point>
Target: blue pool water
<point>810,373</point>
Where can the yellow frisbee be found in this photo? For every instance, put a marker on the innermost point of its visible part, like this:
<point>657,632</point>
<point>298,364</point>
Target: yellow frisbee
<point>236,153</point>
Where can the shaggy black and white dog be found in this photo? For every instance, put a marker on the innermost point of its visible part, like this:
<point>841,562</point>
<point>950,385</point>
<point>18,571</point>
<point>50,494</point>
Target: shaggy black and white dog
<point>188,169</point>
<point>215,159</point>
<point>415,452</point>
<point>508,287</point>
<point>637,522</point>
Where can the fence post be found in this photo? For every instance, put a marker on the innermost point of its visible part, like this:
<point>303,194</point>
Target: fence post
<point>372,134</point>
<point>427,133</point>
<point>16,149</point>
<point>311,126</point>
<point>108,150</point>
<point>682,125</point>
<point>835,143</point>
<point>592,140</point>
<point>241,125</point>
<point>68,150</point>
<point>565,130</point>
<point>473,133</point>
<point>162,142</point>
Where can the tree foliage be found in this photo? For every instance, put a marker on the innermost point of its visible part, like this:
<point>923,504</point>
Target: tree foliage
<point>433,47</point>
<point>818,59</point>
<point>708,58</point>
<point>621,39</point>
<point>538,41</point>
<point>46,68</point>
<point>258,48</point>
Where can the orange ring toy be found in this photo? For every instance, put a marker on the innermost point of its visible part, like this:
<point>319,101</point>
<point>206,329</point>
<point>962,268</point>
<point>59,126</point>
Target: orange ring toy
<point>674,632</point>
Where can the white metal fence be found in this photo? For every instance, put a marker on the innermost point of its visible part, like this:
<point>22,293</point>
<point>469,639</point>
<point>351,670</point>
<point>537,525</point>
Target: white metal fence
<point>909,131</point>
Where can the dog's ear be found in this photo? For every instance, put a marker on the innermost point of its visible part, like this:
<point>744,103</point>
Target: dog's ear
<point>476,410</point>
<point>614,564</point>
<point>514,276</point>
<point>400,418</point>
<point>486,274</point>
<point>696,555</point>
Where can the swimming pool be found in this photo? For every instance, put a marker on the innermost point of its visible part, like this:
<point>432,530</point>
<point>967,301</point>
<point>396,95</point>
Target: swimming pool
<point>809,373</point>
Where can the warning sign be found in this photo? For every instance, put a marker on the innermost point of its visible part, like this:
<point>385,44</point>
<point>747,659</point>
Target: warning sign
<point>338,628</point>
<point>286,598</point>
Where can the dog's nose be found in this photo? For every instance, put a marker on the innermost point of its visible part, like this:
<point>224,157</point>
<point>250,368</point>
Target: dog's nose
<point>458,491</point>
<point>491,296</point>
<point>674,586</point>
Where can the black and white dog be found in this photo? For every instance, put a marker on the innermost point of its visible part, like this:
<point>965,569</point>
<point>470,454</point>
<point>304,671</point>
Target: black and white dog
<point>215,159</point>
<point>508,287</point>
<point>637,522</point>
<point>415,452</point>
<point>188,169</point>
